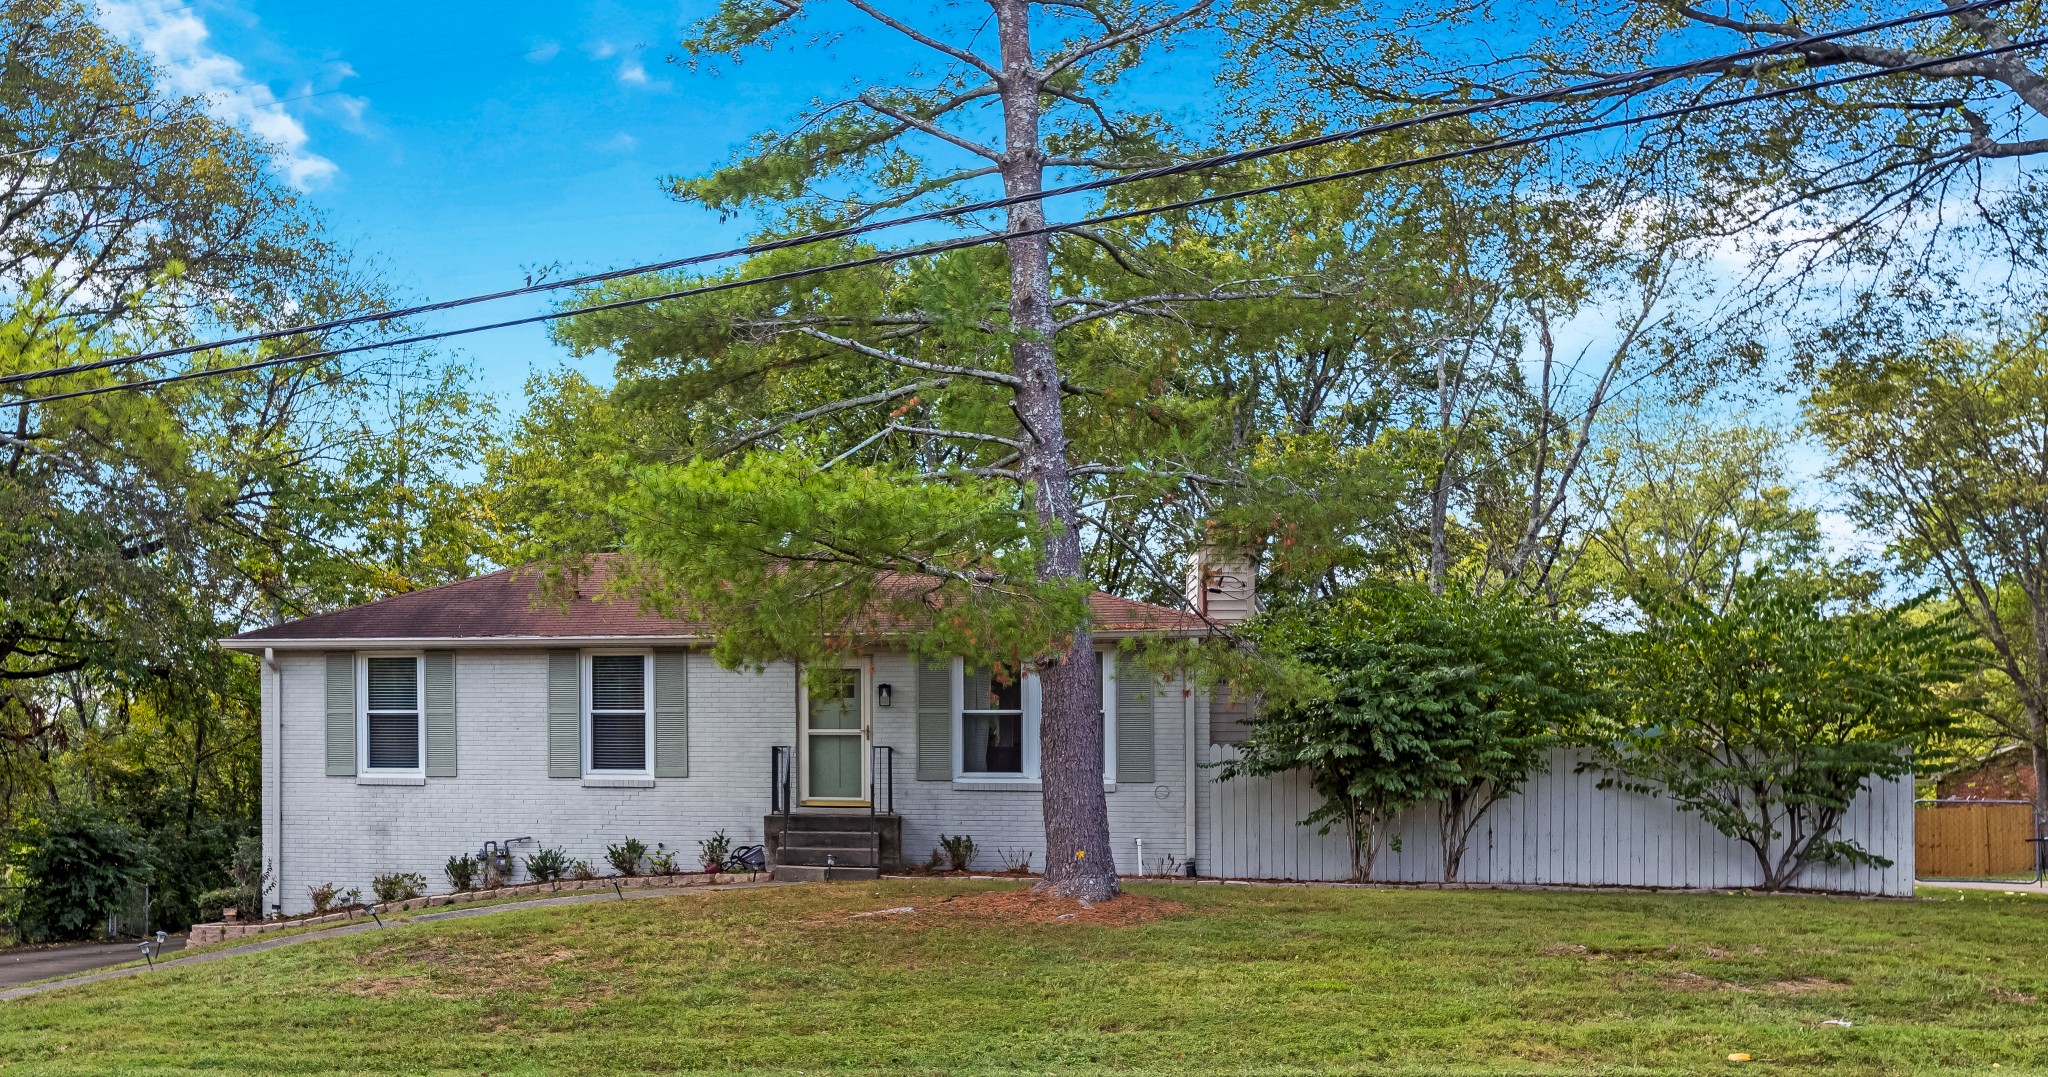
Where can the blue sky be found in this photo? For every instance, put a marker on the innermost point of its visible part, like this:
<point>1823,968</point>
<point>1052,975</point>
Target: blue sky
<point>459,145</point>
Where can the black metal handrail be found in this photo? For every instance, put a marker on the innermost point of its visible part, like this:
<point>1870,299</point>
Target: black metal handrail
<point>781,779</point>
<point>881,779</point>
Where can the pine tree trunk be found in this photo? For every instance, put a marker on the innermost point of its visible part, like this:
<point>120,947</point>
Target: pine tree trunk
<point>1078,861</point>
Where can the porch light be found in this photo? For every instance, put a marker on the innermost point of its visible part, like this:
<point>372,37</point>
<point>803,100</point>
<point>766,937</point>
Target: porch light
<point>884,695</point>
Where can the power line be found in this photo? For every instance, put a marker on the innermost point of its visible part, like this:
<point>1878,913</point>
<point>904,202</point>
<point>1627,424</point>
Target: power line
<point>1665,72</point>
<point>940,247</point>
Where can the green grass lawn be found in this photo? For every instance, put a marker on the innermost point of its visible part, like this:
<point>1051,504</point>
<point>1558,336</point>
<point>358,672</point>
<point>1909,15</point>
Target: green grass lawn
<point>1245,980</point>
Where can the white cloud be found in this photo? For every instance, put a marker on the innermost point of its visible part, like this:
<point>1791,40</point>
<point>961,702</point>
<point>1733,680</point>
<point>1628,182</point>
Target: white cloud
<point>632,73</point>
<point>176,37</point>
<point>620,143</point>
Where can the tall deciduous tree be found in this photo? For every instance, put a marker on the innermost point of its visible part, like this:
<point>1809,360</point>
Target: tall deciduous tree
<point>1945,446</point>
<point>1769,716</point>
<point>138,527</point>
<point>1449,699</point>
<point>1689,509</point>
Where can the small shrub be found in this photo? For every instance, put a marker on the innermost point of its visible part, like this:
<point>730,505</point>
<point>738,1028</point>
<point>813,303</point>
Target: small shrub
<point>625,857</point>
<point>323,897</point>
<point>1017,860</point>
<point>582,872</point>
<point>959,850</point>
<point>398,886</point>
<point>213,903</point>
<point>461,872</point>
<point>936,861</point>
<point>548,865</point>
<point>662,861</point>
<point>715,852</point>
<point>254,880</point>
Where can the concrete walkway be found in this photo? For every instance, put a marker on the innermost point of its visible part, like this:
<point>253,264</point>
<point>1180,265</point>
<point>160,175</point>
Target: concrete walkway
<point>41,963</point>
<point>358,928</point>
<point>1971,884</point>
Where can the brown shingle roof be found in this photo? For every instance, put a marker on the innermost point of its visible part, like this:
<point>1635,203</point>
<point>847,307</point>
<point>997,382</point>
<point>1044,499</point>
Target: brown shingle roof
<point>506,605</point>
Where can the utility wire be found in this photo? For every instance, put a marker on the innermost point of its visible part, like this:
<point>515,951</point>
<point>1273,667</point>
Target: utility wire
<point>1665,72</point>
<point>940,247</point>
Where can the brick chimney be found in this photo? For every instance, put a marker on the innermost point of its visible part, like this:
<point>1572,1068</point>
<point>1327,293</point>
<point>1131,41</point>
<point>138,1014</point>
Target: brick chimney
<point>1221,586</point>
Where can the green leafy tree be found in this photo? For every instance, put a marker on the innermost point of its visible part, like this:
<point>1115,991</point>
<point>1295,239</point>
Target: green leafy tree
<point>72,870</point>
<point>1690,509</point>
<point>1768,716</point>
<point>1441,698</point>
<point>1944,445</point>
<point>138,527</point>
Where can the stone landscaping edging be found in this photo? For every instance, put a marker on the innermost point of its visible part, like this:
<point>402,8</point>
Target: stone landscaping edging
<point>207,934</point>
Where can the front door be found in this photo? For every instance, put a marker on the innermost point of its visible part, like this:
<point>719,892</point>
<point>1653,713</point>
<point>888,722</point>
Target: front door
<point>835,739</point>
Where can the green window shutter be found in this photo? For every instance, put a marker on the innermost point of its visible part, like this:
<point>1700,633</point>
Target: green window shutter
<point>671,714</point>
<point>565,714</point>
<point>341,714</point>
<point>934,720</point>
<point>1134,734</point>
<point>440,714</point>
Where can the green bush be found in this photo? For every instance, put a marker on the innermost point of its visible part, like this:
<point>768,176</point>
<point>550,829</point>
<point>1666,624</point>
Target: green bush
<point>461,872</point>
<point>960,850</point>
<point>213,902</point>
<point>625,857</point>
<point>715,851</point>
<point>398,886</point>
<point>547,865</point>
<point>73,869</point>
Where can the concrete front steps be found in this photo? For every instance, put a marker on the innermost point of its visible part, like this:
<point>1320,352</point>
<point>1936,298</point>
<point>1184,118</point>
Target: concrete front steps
<point>816,847</point>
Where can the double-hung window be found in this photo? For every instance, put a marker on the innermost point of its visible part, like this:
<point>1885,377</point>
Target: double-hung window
<point>391,729</point>
<point>992,725</point>
<point>616,727</point>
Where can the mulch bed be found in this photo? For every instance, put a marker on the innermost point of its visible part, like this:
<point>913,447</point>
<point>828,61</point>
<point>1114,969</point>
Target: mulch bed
<point>1027,905</point>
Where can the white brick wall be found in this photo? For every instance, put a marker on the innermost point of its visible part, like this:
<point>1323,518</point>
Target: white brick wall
<point>319,829</point>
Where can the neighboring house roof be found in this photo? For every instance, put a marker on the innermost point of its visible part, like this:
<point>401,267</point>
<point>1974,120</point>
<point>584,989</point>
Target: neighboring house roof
<point>2006,774</point>
<point>506,606</point>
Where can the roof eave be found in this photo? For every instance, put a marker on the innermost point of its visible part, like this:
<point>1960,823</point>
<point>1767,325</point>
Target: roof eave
<point>255,646</point>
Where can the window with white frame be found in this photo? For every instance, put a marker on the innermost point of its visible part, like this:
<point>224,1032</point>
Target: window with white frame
<point>995,725</point>
<point>615,730</point>
<point>992,726</point>
<point>391,727</point>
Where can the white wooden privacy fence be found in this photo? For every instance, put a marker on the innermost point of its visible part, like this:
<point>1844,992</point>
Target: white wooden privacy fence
<point>1561,829</point>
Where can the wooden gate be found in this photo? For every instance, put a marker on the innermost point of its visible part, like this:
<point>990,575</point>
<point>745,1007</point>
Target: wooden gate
<point>1964,839</point>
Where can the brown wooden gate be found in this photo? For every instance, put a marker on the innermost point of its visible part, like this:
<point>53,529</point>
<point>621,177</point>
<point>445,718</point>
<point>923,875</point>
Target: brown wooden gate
<point>1965,839</point>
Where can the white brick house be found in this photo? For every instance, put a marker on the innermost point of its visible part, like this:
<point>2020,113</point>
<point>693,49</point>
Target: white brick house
<point>402,732</point>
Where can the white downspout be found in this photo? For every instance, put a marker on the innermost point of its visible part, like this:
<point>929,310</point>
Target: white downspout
<point>1187,706</point>
<point>273,681</point>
